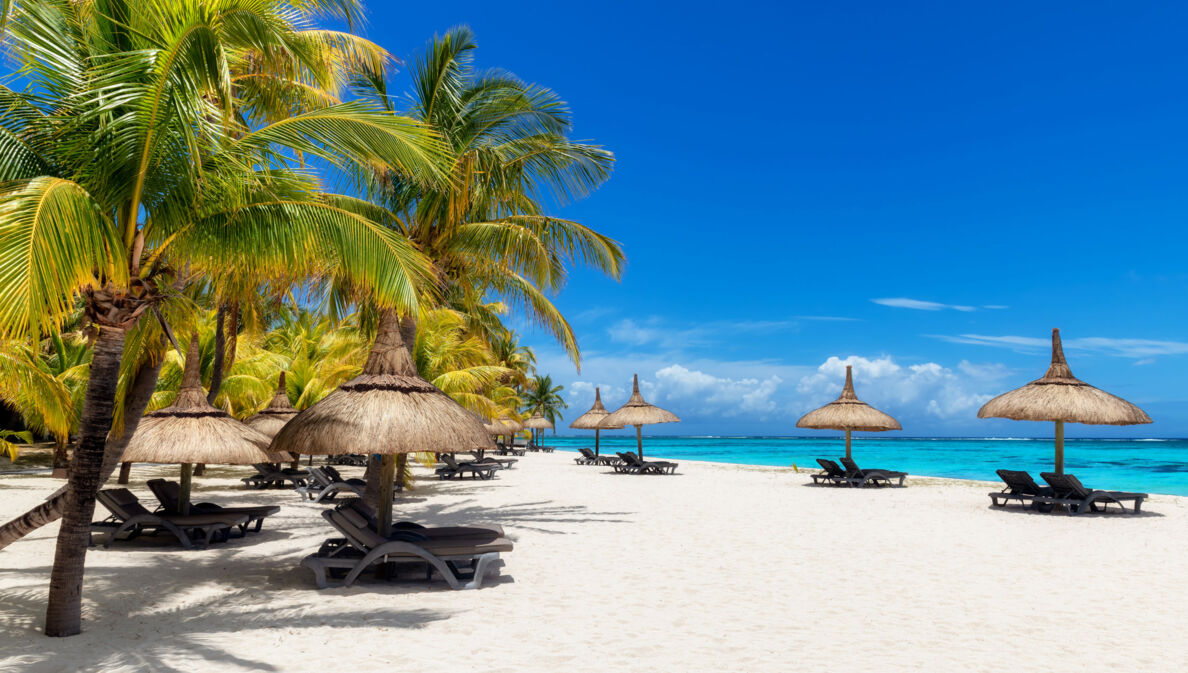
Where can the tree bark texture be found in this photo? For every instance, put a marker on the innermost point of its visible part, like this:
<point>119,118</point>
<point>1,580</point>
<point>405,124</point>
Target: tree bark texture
<point>63,615</point>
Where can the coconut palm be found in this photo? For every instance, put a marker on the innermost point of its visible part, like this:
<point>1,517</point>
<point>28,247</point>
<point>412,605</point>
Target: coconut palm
<point>487,230</point>
<point>42,396</point>
<point>193,179</point>
<point>462,366</point>
<point>544,398</point>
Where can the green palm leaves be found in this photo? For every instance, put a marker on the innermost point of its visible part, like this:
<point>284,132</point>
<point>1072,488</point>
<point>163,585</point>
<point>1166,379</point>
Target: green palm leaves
<point>486,230</point>
<point>156,132</point>
<point>54,241</point>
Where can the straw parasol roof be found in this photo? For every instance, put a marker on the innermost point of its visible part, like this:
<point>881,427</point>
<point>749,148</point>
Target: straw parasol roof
<point>387,409</point>
<point>592,419</point>
<point>1060,396</point>
<point>502,426</point>
<point>538,422</point>
<point>278,412</point>
<point>637,412</point>
<point>192,431</point>
<point>848,412</point>
<point>1063,398</point>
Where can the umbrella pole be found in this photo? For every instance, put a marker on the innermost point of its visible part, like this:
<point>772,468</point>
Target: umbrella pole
<point>639,441</point>
<point>387,484</point>
<point>183,497</point>
<point>595,441</point>
<point>1059,447</point>
<point>848,444</point>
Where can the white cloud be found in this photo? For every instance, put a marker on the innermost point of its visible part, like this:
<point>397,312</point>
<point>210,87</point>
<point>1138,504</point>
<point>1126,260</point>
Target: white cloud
<point>655,332</point>
<point>921,305</point>
<point>705,393</point>
<point>630,332</point>
<point>1127,348</point>
<point>928,388</point>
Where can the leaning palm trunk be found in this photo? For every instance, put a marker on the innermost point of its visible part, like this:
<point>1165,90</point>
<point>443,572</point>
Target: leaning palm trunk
<point>49,511</point>
<point>63,617</point>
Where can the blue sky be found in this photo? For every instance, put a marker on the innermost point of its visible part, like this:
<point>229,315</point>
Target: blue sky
<point>921,189</point>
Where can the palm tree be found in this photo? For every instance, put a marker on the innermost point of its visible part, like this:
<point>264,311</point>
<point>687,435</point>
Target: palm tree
<point>44,398</point>
<point>544,398</point>
<point>195,178</point>
<point>486,230</point>
<point>462,366</point>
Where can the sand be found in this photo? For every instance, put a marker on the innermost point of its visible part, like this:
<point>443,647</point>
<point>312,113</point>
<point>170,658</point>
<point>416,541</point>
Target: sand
<point>718,568</point>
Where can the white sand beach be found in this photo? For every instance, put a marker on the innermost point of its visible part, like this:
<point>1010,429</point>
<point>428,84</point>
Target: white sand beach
<point>718,568</point>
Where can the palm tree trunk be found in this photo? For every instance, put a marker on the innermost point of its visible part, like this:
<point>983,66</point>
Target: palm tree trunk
<point>135,402</point>
<point>216,369</point>
<point>61,458</point>
<point>374,475</point>
<point>125,473</point>
<point>63,616</point>
<point>220,350</point>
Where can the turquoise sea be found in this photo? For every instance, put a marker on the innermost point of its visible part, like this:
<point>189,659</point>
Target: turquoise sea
<point>1148,465</point>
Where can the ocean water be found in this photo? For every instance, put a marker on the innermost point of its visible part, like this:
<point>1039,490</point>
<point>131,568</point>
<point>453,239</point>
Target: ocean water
<point>1147,465</point>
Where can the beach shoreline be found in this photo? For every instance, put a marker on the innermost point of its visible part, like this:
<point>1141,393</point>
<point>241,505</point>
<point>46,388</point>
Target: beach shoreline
<point>718,567</point>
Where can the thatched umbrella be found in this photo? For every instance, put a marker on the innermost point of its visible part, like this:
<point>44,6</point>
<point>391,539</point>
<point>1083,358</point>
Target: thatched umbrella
<point>388,409</point>
<point>278,412</point>
<point>192,431</point>
<point>273,417</point>
<point>638,413</point>
<point>592,419</point>
<point>537,422</point>
<point>848,413</point>
<point>503,426</point>
<point>1061,397</point>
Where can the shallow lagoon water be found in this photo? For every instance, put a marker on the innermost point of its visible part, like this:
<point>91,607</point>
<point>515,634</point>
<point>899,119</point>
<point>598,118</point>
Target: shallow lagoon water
<point>1149,465</point>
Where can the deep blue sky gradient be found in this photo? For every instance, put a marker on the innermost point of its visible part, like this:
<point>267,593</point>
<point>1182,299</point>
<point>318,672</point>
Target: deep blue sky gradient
<point>780,164</point>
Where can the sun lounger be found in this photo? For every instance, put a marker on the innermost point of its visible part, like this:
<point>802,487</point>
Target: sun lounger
<point>462,556</point>
<point>268,475</point>
<point>831,474</point>
<point>1070,492</point>
<point>452,468</point>
<point>354,459</point>
<point>129,518</point>
<point>861,478</point>
<point>169,492</point>
<point>632,464</point>
<point>505,450</point>
<point>325,483</point>
<point>503,464</point>
<point>1020,486</point>
<point>586,457</point>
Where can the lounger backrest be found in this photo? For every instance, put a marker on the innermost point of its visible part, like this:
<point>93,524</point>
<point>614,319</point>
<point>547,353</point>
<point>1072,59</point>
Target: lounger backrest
<point>1065,485</point>
<point>586,453</point>
<point>320,475</point>
<point>360,507</point>
<point>362,537</point>
<point>122,503</point>
<point>168,493</point>
<point>851,466</point>
<point>332,473</point>
<point>449,461</point>
<point>1019,482</point>
<point>264,468</point>
<point>831,468</point>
